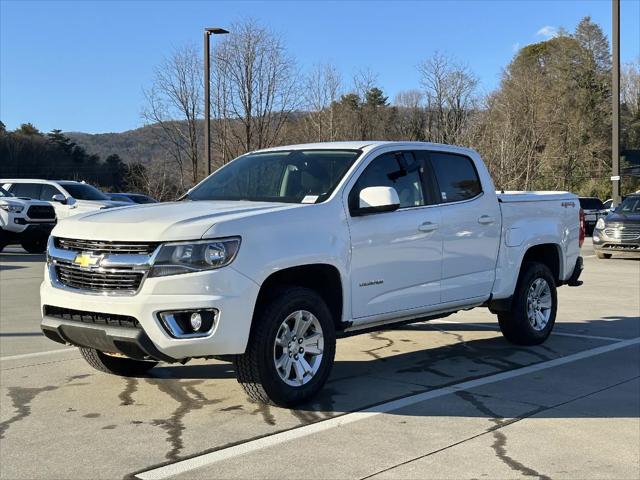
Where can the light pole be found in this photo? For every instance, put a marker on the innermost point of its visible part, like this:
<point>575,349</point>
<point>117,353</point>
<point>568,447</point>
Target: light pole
<point>615,102</point>
<point>207,95</point>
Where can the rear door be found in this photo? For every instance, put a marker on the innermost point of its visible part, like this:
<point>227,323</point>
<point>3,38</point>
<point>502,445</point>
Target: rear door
<point>470,228</point>
<point>395,256</point>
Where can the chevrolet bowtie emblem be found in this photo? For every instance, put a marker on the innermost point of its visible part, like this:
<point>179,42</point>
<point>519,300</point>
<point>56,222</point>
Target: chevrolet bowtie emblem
<point>86,259</point>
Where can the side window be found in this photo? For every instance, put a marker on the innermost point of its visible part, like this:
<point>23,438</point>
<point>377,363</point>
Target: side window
<point>26,190</point>
<point>456,175</point>
<point>47,193</point>
<point>398,170</point>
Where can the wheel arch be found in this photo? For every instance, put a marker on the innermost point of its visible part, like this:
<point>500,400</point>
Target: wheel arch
<point>323,278</point>
<point>549,254</point>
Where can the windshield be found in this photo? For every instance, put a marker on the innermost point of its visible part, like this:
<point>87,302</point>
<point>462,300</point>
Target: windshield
<point>591,204</point>
<point>82,191</point>
<point>629,205</point>
<point>4,193</point>
<point>291,176</point>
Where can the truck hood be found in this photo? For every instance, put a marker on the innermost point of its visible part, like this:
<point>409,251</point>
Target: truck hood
<point>186,220</point>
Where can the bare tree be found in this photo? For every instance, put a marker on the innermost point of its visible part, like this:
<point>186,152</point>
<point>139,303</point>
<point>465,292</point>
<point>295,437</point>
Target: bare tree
<point>255,87</point>
<point>410,120</point>
<point>450,90</point>
<point>174,104</point>
<point>322,89</point>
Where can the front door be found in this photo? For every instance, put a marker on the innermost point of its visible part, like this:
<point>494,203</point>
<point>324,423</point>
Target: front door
<point>395,256</point>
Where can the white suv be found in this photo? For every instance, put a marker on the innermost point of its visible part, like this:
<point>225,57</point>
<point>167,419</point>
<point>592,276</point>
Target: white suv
<point>67,197</point>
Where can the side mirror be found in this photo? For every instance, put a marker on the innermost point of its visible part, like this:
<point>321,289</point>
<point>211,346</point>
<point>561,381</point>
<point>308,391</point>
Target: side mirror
<point>377,200</point>
<point>58,197</point>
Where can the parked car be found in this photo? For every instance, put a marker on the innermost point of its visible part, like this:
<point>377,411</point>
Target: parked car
<point>26,222</point>
<point>277,253</point>
<point>620,230</point>
<point>593,209</point>
<point>132,198</point>
<point>67,197</point>
<point>608,204</point>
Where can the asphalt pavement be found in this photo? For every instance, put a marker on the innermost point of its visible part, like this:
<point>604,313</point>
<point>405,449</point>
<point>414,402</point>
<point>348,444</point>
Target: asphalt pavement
<point>448,398</point>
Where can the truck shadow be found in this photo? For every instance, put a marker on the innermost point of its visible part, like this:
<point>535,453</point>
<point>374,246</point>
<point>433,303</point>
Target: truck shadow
<point>385,372</point>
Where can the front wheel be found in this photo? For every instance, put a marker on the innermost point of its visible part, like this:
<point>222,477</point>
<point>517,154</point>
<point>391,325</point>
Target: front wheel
<point>532,315</point>
<point>603,256</point>
<point>290,351</point>
<point>121,366</point>
<point>35,245</point>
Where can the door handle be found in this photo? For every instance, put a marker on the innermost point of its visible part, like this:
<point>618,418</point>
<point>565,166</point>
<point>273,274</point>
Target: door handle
<point>486,220</point>
<point>428,227</point>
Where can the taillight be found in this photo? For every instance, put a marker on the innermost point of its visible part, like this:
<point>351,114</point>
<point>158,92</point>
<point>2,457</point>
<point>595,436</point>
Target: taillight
<point>581,238</point>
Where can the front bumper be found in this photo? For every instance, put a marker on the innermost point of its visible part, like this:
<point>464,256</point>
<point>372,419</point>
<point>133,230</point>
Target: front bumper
<point>226,290</point>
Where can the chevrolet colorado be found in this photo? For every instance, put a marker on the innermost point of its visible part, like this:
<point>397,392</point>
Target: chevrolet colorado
<point>277,253</point>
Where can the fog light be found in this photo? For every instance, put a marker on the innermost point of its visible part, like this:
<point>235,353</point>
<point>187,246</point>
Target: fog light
<point>196,321</point>
<point>189,323</point>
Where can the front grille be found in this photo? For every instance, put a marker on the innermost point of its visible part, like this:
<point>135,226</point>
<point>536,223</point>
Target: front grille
<point>94,318</point>
<point>103,247</point>
<point>115,280</point>
<point>624,232</point>
<point>40,212</point>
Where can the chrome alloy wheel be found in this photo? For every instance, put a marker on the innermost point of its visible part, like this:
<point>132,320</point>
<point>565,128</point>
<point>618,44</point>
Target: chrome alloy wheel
<point>297,351</point>
<point>539,303</point>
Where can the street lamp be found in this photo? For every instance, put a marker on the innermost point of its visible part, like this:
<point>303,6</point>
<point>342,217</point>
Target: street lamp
<point>207,96</point>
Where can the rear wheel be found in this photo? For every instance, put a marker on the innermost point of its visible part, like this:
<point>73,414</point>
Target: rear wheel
<point>291,349</point>
<point>122,366</point>
<point>532,315</point>
<point>603,256</point>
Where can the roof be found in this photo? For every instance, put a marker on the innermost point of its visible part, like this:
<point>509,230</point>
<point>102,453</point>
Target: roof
<point>360,145</point>
<point>34,180</point>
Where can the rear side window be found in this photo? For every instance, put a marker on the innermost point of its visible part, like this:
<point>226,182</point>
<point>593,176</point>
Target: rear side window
<point>456,175</point>
<point>26,190</point>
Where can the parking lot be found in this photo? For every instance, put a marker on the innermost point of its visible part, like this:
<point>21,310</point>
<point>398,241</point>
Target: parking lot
<point>443,399</point>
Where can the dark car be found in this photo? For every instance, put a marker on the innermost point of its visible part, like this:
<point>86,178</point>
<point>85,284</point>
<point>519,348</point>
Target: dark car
<point>593,209</point>
<point>620,230</point>
<point>132,198</point>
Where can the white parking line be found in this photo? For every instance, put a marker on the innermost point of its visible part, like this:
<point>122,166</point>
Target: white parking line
<point>554,332</point>
<point>304,431</point>
<point>36,354</point>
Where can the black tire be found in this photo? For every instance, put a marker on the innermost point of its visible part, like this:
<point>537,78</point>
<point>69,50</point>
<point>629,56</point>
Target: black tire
<point>35,245</point>
<point>256,370</point>
<point>4,239</point>
<point>603,256</point>
<point>514,324</point>
<point>124,367</point>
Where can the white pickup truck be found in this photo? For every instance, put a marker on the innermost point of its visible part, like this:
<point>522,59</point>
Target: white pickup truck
<point>277,253</point>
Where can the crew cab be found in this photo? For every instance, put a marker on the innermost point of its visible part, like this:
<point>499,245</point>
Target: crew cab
<point>24,221</point>
<point>68,197</point>
<point>277,253</point>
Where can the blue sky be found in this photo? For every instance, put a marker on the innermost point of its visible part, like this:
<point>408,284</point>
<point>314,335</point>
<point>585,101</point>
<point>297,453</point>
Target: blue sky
<point>81,65</point>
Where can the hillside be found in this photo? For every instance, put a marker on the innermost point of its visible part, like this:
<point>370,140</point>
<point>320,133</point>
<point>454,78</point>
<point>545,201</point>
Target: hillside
<point>138,145</point>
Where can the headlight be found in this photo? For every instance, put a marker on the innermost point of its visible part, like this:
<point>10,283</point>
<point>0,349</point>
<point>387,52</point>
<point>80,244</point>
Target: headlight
<point>600,224</point>
<point>11,208</point>
<point>176,258</point>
